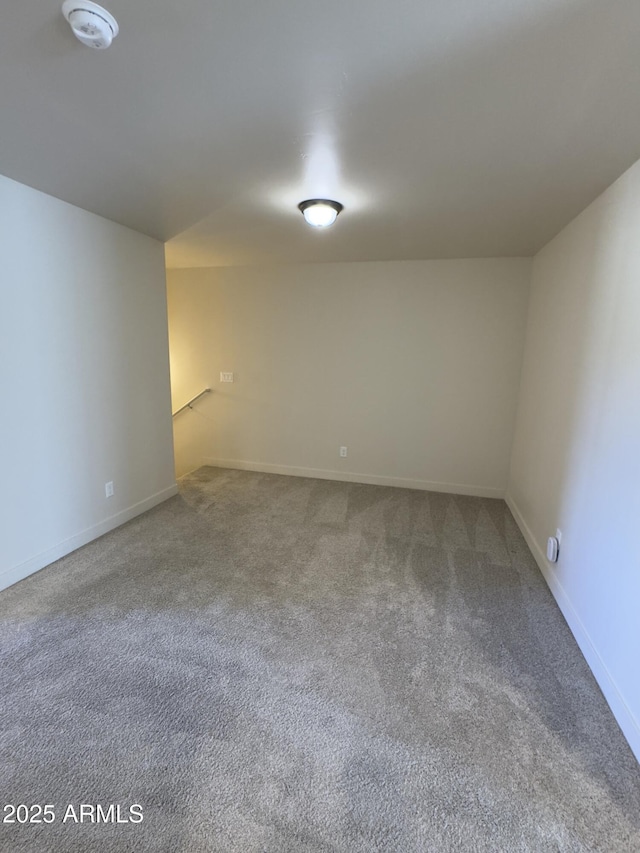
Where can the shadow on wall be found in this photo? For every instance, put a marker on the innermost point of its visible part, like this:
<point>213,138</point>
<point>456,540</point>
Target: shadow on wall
<point>84,329</point>
<point>575,461</point>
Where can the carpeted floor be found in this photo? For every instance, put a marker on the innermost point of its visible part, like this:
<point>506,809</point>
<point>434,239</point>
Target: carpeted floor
<point>282,665</point>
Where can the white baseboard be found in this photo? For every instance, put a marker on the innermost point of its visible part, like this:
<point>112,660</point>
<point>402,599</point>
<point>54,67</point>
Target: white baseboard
<point>61,549</point>
<point>354,477</point>
<point>624,716</point>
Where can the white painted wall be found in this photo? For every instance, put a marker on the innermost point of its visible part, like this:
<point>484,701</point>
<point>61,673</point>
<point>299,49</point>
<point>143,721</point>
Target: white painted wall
<point>576,454</point>
<point>414,366</point>
<point>83,377</point>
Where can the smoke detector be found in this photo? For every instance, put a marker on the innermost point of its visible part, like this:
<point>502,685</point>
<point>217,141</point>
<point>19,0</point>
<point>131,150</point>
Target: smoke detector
<point>91,24</point>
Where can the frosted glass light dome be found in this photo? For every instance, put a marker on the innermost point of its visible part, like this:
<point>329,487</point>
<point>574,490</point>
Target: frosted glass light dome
<point>320,212</point>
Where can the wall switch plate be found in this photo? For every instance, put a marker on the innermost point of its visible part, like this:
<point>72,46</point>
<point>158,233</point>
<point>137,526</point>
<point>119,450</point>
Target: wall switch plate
<point>226,377</point>
<point>343,452</point>
<point>108,489</point>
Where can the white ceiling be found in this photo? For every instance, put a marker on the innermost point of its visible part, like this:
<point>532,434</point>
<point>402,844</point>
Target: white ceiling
<point>448,128</point>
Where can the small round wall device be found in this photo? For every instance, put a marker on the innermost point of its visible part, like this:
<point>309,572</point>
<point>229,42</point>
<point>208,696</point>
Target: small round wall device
<point>91,24</point>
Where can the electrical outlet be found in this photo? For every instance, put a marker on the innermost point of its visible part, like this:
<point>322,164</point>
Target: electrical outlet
<point>226,377</point>
<point>343,452</point>
<point>108,489</point>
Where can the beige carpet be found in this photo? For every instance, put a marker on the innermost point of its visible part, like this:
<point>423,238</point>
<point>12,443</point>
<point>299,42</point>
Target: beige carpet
<point>277,664</point>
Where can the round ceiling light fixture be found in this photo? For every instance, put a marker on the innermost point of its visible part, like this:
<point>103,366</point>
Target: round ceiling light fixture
<point>320,212</point>
<point>91,24</point>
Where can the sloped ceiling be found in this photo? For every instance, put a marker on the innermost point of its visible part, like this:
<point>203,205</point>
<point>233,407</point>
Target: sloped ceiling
<point>447,128</point>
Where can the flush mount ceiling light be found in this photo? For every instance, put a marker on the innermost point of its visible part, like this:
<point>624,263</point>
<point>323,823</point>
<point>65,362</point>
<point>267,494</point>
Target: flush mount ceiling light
<point>320,212</point>
<point>91,24</point>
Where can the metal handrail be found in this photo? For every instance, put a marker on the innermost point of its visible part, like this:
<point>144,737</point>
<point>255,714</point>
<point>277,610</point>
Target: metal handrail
<point>192,400</point>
